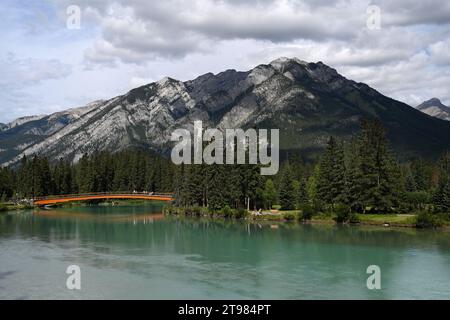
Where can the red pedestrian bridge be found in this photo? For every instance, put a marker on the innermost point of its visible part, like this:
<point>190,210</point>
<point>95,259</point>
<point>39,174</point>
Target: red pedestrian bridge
<point>52,200</point>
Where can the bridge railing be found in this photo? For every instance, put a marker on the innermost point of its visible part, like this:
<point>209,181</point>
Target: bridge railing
<point>93,194</point>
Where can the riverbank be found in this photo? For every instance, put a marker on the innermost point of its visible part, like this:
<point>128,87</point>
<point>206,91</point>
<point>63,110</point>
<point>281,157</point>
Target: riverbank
<point>377,220</point>
<point>6,207</point>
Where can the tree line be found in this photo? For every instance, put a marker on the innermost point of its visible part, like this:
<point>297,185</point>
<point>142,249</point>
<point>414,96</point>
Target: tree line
<point>362,174</point>
<point>99,172</point>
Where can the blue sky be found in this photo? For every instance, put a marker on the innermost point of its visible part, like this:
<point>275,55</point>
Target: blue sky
<point>47,67</point>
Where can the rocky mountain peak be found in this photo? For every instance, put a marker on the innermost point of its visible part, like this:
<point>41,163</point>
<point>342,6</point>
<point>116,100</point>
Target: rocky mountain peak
<point>308,102</point>
<point>435,108</point>
<point>283,63</point>
<point>433,102</point>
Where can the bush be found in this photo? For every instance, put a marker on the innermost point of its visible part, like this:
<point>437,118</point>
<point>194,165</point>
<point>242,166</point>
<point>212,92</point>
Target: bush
<point>226,212</point>
<point>429,220</point>
<point>307,213</point>
<point>3,207</point>
<point>345,215</point>
<point>289,216</point>
<point>170,210</point>
<point>417,200</point>
<point>194,211</point>
<point>240,213</point>
<point>353,218</point>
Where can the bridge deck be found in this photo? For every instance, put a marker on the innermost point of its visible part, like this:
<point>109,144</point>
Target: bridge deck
<point>86,197</point>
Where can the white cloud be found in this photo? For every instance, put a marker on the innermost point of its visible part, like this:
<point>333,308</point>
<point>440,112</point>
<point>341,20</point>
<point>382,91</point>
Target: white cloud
<point>440,52</point>
<point>30,71</point>
<point>123,44</point>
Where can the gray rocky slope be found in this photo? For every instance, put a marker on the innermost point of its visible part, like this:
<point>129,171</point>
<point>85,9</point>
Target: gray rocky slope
<point>435,108</point>
<point>306,101</point>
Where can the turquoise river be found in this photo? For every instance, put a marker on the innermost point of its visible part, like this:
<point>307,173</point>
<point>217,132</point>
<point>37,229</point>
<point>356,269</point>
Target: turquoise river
<point>134,252</point>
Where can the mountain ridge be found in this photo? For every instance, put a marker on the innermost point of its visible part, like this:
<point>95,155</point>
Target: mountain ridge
<point>307,101</point>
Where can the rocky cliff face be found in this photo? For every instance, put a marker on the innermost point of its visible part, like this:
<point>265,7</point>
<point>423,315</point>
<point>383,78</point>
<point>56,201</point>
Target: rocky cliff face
<point>435,108</point>
<point>306,101</point>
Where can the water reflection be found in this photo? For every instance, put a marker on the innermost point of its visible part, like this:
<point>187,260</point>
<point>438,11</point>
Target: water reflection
<point>230,259</point>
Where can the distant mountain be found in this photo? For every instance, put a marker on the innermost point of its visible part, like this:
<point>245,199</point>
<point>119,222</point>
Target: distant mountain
<point>435,108</point>
<point>308,102</point>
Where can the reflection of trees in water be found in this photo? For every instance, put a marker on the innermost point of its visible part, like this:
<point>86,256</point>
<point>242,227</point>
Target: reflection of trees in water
<point>219,240</point>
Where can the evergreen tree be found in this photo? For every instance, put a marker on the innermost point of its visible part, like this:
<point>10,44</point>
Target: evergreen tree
<point>6,183</point>
<point>216,187</point>
<point>378,174</point>
<point>331,182</point>
<point>311,186</point>
<point>409,180</point>
<point>287,195</point>
<point>302,194</point>
<point>233,185</point>
<point>270,193</point>
<point>441,198</point>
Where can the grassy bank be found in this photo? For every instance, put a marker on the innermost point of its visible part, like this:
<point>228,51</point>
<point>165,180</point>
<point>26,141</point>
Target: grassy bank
<point>412,220</point>
<point>5,207</point>
<point>395,220</point>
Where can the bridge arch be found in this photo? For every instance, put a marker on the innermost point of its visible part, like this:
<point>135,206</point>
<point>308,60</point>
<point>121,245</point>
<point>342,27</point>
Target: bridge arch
<point>52,200</point>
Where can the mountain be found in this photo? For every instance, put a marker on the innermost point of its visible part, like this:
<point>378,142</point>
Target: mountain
<point>307,101</point>
<point>435,108</point>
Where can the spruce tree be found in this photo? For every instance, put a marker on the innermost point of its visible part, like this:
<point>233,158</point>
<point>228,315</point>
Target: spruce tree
<point>216,186</point>
<point>302,194</point>
<point>441,199</point>
<point>378,174</point>
<point>270,193</point>
<point>287,195</point>
<point>331,182</point>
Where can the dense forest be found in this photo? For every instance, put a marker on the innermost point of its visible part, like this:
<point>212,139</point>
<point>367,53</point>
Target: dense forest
<point>362,174</point>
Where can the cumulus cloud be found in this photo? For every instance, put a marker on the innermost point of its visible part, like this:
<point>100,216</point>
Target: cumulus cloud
<point>30,71</point>
<point>21,74</point>
<point>135,31</point>
<point>440,52</point>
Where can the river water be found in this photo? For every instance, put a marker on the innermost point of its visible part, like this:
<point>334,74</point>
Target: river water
<point>136,253</point>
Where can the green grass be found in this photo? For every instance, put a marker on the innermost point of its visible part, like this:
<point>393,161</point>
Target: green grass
<point>391,219</point>
<point>4,207</point>
<point>368,219</point>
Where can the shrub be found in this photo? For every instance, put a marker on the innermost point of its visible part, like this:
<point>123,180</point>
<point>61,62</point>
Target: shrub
<point>417,200</point>
<point>194,211</point>
<point>170,210</point>
<point>429,220</point>
<point>307,213</point>
<point>240,213</point>
<point>344,215</point>
<point>289,216</point>
<point>353,218</point>
<point>226,212</point>
<point>3,207</point>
